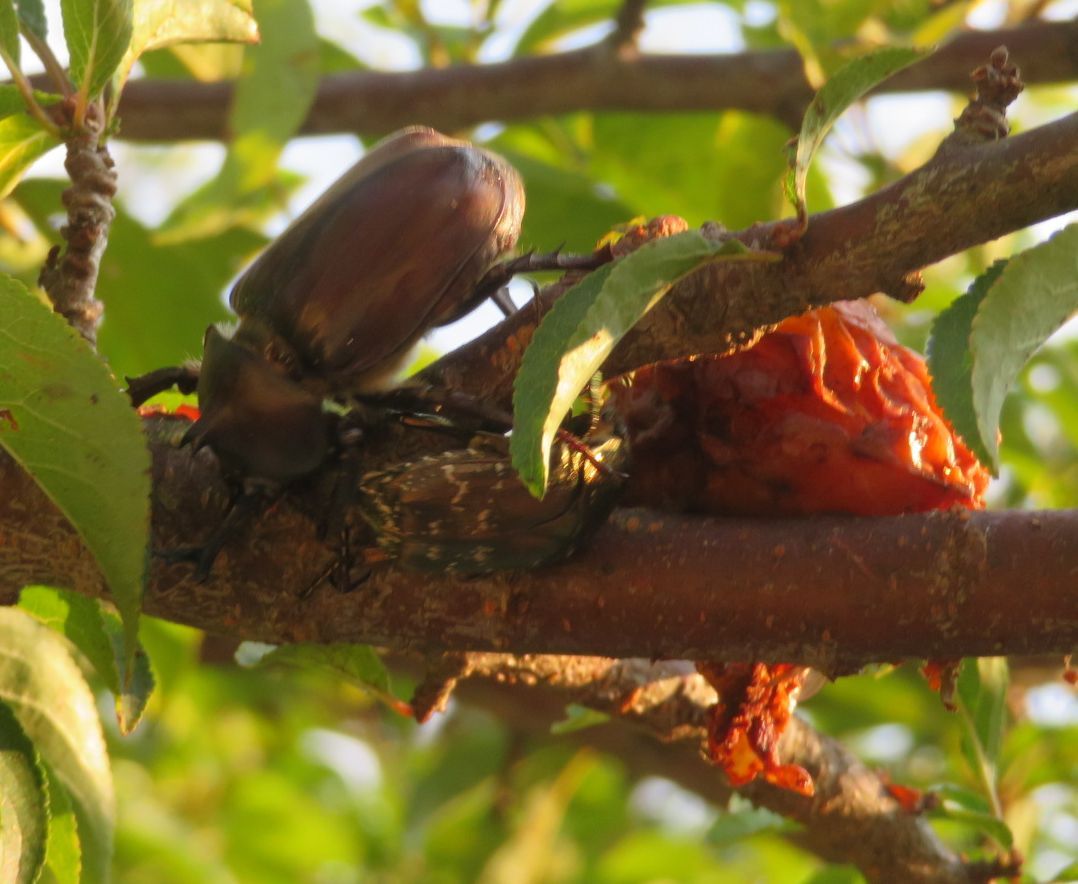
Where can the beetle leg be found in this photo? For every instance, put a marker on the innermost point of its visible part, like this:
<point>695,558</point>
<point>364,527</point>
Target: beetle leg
<point>500,274</point>
<point>253,500</point>
<point>537,306</point>
<point>182,377</point>
<point>350,436</point>
<point>503,302</point>
<point>433,408</point>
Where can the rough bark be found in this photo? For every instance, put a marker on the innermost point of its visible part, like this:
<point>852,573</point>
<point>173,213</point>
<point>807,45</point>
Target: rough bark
<point>850,818</point>
<point>835,593</point>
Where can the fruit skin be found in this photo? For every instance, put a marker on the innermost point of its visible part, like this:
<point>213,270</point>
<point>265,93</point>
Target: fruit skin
<point>335,304</point>
<point>467,511</point>
<point>825,414</point>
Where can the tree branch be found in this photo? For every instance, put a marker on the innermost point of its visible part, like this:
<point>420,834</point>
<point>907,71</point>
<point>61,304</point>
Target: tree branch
<point>834,593</point>
<point>830,592</point>
<point>628,24</point>
<point>851,817</point>
<point>69,276</point>
<point>969,193</point>
<point>593,78</point>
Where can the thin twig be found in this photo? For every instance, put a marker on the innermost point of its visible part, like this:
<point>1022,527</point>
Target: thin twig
<point>53,68</point>
<point>628,24</point>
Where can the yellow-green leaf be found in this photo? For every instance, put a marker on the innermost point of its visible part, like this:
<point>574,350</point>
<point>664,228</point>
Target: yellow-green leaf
<point>44,688</point>
<point>160,23</point>
<point>98,33</point>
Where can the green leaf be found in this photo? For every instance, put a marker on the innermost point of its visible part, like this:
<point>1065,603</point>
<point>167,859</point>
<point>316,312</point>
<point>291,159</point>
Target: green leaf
<point>1034,295</point>
<point>32,14</point>
<point>42,684</point>
<point>700,166</point>
<point>70,428</point>
<point>9,34</point>
<point>962,797</point>
<point>78,619</point>
<point>63,854</point>
<point>995,828</point>
<point>12,102</point>
<point>586,323</point>
<point>136,682</point>
<point>950,361</point>
<point>358,664</point>
<point>99,636</point>
<point>982,689</point>
<point>158,299</point>
<point>23,804</point>
<point>98,33</point>
<point>270,103</point>
<point>578,718</point>
<point>160,23</point>
<point>563,205</point>
<point>814,27</point>
<point>22,140</point>
<point>848,84</point>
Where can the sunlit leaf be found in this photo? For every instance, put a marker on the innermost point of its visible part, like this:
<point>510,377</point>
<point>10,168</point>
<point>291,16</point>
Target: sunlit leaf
<point>160,23</point>
<point>22,140</point>
<point>991,826</point>
<point>951,363</point>
<point>583,328</point>
<point>12,102</point>
<point>78,619</point>
<point>45,689</point>
<point>9,33</point>
<point>63,853</point>
<point>67,424</point>
<point>98,33</point>
<point>564,206</point>
<point>23,804</point>
<point>270,103</point>
<point>136,677</point>
<point>982,689</point>
<point>99,636</point>
<point>1034,295</point>
<point>848,84</point>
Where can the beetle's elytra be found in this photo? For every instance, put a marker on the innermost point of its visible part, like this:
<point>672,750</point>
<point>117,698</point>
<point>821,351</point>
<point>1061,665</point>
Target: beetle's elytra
<point>335,304</point>
<point>467,511</point>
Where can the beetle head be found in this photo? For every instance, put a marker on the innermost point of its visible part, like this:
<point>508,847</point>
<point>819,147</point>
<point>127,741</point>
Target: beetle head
<point>257,419</point>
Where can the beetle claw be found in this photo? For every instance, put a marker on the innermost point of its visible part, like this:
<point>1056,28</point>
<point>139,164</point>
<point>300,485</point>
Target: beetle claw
<point>503,302</point>
<point>202,557</point>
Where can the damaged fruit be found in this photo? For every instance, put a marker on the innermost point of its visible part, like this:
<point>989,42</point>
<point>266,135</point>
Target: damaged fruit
<point>825,414</point>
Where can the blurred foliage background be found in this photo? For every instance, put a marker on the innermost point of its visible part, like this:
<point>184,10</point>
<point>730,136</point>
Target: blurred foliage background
<point>253,775</point>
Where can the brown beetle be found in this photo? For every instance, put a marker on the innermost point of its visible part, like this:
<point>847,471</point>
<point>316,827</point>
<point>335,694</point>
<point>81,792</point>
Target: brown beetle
<point>467,511</point>
<point>335,304</point>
